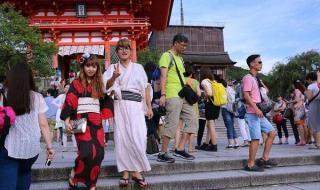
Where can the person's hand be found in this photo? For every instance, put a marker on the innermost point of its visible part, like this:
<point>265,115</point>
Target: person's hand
<point>116,72</point>
<point>162,101</point>
<point>149,113</point>
<point>68,126</point>
<point>50,153</point>
<point>259,113</point>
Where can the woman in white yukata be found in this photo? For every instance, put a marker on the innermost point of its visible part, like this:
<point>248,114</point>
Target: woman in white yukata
<point>127,81</point>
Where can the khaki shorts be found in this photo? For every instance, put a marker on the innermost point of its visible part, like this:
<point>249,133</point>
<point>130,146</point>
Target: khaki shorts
<point>176,109</point>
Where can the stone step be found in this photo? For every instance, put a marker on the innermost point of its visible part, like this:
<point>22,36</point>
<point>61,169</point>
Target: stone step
<point>207,180</point>
<point>200,164</point>
<point>291,186</point>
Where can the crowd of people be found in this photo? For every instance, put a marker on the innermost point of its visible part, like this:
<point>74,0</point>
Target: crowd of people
<point>130,101</point>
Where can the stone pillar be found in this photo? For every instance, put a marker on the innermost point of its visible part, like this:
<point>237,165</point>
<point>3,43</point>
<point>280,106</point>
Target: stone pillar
<point>107,54</point>
<point>134,50</point>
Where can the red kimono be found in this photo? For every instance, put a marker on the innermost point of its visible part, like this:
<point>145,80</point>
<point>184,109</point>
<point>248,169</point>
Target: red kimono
<point>91,143</point>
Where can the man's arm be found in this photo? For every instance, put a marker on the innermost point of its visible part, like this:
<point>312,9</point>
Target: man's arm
<point>163,81</point>
<point>247,97</point>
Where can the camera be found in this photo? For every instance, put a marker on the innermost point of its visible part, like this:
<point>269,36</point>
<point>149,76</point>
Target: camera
<point>161,111</point>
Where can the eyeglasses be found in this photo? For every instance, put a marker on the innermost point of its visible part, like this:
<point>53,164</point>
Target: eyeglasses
<point>124,48</point>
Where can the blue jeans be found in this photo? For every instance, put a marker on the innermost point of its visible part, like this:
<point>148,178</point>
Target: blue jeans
<point>228,119</point>
<point>15,174</point>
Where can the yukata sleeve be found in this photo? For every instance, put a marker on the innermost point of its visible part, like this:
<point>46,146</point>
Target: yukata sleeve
<point>69,108</point>
<point>143,78</point>
<point>106,107</point>
<point>106,76</point>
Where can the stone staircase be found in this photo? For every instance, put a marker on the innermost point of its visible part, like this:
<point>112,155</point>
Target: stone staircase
<point>210,170</point>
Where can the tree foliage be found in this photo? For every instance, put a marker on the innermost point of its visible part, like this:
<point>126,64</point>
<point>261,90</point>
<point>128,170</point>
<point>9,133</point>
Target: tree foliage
<point>148,55</point>
<point>15,34</point>
<point>282,75</point>
<point>237,73</point>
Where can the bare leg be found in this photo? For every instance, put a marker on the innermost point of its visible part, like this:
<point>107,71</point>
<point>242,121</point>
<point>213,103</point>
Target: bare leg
<point>178,134</point>
<point>212,131</point>
<point>316,136</point>
<point>183,141</point>
<point>165,143</point>
<point>268,145</point>
<point>208,134</point>
<point>253,148</point>
<point>191,137</point>
<point>302,135</point>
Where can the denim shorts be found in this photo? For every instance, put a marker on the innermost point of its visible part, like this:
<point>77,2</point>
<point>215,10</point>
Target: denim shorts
<point>257,125</point>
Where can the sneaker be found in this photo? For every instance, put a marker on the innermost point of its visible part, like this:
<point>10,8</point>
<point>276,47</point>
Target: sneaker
<point>202,147</point>
<point>236,146</point>
<point>266,164</point>
<point>164,157</point>
<point>183,154</point>
<point>229,146</point>
<point>212,147</point>
<point>254,168</point>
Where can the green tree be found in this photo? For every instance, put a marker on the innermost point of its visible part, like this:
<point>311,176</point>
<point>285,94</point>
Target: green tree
<point>147,55</point>
<point>282,75</point>
<point>15,35</point>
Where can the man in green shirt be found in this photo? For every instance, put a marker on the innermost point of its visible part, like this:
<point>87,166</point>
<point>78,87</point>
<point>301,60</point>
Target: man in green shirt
<point>176,107</point>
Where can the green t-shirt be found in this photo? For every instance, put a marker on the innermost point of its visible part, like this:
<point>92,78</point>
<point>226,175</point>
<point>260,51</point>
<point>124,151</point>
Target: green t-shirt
<point>173,85</point>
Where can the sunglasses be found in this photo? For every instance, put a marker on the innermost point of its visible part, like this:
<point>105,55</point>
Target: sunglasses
<point>260,62</point>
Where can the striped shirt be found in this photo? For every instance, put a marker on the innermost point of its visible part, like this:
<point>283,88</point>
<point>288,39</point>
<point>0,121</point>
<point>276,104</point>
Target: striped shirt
<point>23,140</point>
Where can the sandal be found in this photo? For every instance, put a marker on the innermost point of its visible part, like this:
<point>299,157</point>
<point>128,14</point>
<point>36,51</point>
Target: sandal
<point>123,182</point>
<point>141,182</point>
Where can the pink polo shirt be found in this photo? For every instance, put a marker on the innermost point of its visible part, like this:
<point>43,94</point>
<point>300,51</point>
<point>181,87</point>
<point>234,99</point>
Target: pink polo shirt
<point>250,84</point>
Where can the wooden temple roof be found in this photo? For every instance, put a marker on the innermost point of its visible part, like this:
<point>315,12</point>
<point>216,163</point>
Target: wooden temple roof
<point>209,58</point>
<point>158,12</point>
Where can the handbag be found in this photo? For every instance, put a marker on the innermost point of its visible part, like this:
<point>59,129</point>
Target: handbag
<point>288,113</point>
<point>277,119</point>
<point>265,105</point>
<point>186,92</point>
<point>79,125</point>
<point>152,145</point>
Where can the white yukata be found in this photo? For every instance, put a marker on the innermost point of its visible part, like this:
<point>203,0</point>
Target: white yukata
<point>130,131</point>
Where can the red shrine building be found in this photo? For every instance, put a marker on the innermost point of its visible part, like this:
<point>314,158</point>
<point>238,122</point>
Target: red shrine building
<point>94,26</point>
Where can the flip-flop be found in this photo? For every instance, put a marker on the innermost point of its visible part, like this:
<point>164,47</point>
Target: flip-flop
<point>123,182</point>
<point>141,182</point>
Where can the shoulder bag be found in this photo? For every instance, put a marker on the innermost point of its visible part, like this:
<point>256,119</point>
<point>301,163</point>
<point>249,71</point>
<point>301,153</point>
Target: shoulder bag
<point>186,91</point>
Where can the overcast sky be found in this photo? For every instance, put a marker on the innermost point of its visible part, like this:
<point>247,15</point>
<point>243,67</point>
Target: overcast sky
<point>276,29</point>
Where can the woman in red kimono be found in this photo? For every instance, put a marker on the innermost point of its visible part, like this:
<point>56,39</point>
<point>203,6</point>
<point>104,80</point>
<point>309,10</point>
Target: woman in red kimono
<point>85,99</point>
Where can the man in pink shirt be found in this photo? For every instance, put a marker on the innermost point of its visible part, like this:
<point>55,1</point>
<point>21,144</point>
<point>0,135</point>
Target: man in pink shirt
<point>255,119</point>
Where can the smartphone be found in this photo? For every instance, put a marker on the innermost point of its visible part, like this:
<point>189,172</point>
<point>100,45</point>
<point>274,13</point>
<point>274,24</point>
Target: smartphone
<point>48,162</point>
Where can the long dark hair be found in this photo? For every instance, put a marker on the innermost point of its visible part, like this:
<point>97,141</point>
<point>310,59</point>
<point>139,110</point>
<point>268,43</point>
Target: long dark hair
<point>20,82</point>
<point>298,85</point>
<point>97,83</point>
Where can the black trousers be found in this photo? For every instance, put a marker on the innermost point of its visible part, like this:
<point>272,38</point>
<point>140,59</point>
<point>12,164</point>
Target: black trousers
<point>295,130</point>
<point>202,125</point>
<point>283,125</point>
